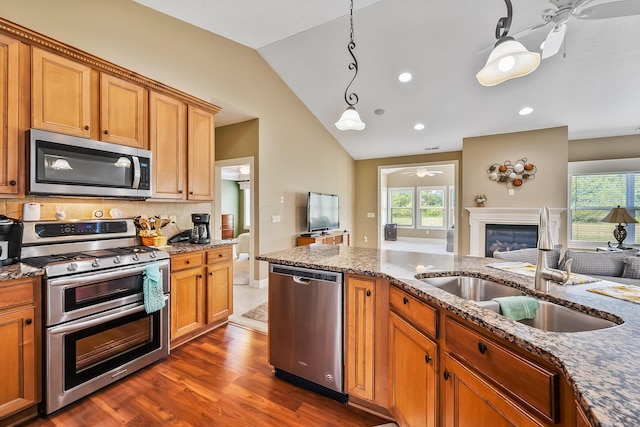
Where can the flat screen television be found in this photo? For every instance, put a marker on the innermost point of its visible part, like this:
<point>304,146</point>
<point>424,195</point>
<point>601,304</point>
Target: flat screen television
<point>323,212</point>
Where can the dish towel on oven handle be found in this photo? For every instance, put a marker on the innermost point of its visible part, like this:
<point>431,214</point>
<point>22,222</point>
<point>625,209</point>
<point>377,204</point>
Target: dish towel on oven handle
<point>152,289</point>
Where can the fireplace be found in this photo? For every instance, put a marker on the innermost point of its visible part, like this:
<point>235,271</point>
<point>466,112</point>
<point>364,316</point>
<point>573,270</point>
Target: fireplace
<point>479,218</point>
<point>509,237</point>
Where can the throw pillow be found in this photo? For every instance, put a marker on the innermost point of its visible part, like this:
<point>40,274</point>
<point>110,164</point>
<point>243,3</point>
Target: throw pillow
<point>530,256</point>
<point>596,263</point>
<point>631,267</point>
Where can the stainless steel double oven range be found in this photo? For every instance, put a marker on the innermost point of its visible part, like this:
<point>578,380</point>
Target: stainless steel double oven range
<point>96,329</point>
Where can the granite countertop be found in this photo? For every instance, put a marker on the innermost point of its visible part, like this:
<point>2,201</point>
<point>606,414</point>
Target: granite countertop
<point>18,271</point>
<point>602,366</point>
<point>185,247</point>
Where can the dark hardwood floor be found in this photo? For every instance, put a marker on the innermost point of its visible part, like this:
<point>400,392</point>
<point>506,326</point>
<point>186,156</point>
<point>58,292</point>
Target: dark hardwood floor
<point>220,379</point>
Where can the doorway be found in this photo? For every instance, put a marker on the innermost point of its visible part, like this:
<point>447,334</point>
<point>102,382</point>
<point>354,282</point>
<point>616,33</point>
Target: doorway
<point>418,207</point>
<point>234,216</point>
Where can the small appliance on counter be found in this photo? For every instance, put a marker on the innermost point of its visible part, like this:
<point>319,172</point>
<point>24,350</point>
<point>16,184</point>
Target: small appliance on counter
<point>200,233</point>
<point>11,231</point>
<point>31,211</point>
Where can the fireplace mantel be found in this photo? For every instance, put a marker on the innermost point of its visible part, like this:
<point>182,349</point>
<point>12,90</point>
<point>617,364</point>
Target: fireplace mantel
<point>479,217</point>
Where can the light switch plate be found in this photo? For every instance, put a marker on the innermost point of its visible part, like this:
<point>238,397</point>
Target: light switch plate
<point>275,218</point>
<point>371,215</point>
<point>512,192</point>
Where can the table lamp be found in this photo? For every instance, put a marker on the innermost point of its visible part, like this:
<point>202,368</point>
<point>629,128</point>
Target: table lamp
<point>619,215</point>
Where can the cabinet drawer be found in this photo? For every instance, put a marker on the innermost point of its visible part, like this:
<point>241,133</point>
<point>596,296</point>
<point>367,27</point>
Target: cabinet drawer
<point>526,380</point>
<point>190,260</point>
<point>16,292</point>
<point>219,255</point>
<point>413,310</point>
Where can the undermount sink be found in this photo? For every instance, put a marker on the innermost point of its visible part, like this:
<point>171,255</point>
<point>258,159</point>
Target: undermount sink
<point>472,288</point>
<point>557,318</point>
<point>549,316</point>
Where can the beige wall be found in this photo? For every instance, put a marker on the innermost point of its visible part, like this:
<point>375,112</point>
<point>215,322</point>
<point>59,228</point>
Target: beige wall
<point>547,149</point>
<point>296,153</point>
<point>617,147</point>
<point>367,198</point>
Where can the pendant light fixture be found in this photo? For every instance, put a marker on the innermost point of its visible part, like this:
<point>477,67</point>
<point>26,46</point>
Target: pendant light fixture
<point>350,118</point>
<point>509,58</point>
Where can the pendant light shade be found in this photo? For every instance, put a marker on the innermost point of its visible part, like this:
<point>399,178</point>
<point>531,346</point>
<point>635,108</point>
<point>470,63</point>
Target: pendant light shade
<point>350,120</point>
<point>509,59</point>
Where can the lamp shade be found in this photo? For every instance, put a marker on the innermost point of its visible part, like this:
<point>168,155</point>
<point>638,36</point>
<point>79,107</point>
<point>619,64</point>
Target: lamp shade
<point>509,59</point>
<point>350,120</point>
<point>619,215</point>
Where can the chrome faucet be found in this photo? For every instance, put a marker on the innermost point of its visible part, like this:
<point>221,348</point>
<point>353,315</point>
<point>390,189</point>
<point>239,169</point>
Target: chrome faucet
<point>544,274</point>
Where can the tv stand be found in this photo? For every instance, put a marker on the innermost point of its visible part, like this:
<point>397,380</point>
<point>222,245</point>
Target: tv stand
<point>327,238</point>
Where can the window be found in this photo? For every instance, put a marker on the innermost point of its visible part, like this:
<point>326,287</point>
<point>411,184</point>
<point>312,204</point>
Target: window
<point>401,206</point>
<point>596,187</point>
<point>432,207</point>
<point>247,208</point>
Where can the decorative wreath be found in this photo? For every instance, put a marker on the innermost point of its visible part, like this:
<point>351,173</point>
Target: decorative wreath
<point>512,174</point>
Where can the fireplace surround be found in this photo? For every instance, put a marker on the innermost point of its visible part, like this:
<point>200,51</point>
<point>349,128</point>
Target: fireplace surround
<point>480,217</point>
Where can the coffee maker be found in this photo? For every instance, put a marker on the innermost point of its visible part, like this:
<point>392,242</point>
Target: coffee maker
<point>200,233</point>
<point>11,231</point>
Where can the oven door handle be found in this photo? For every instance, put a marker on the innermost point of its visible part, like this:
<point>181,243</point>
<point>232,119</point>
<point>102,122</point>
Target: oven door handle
<point>80,325</point>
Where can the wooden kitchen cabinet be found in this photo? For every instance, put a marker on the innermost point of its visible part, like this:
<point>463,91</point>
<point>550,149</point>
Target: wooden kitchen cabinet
<point>60,94</point>
<point>168,143</point>
<point>412,375</point>
<point>123,112</point>
<point>219,284</point>
<point>200,154</point>
<point>187,294</point>
<point>201,292</point>
<point>471,400</point>
<point>366,348</point>
<point>20,332</point>
<point>9,100</point>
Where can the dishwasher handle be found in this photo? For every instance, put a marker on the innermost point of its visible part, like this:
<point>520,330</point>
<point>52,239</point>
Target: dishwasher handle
<point>301,280</point>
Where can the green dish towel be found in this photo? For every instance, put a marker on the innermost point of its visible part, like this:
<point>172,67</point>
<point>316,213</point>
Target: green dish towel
<point>152,289</point>
<point>517,308</point>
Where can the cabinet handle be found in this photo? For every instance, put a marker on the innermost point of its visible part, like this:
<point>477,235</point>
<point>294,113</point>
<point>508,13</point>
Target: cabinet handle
<point>211,274</point>
<point>405,300</point>
<point>368,293</point>
<point>106,132</point>
<point>188,261</point>
<point>199,276</point>
<point>427,358</point>
<point>86,127</point>
<point>12,182</point>
<point>220,255</point>
<point>190,192</point>
<point>179,191</point>
<point>482,348</point>
<point>447,375</point>
<point>28,321</point>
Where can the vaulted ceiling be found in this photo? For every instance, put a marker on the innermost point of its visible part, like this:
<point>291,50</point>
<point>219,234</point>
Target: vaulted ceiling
<point>591,85</point>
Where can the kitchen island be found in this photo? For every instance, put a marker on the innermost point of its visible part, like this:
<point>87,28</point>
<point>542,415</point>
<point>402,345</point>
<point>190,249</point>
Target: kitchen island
<point>600,366</point>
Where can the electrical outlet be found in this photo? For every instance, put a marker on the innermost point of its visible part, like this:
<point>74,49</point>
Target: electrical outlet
<point>365,239</point>
<point>275,218</point>
<point>173,218</point>
<point>371,215</point>
<point>426,231</point>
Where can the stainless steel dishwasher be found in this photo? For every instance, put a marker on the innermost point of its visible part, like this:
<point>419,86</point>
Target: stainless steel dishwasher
<point>306,328</point>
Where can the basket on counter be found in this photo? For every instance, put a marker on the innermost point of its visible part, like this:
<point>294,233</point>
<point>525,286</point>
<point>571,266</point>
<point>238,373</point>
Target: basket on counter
<point>157,241</point>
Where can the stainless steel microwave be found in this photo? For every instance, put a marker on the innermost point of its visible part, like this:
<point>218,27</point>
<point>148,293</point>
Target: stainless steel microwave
<point>71,166</point>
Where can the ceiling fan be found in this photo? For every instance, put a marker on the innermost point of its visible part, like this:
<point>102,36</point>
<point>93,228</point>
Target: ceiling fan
<point>422,172</point>
<point>565,10</point>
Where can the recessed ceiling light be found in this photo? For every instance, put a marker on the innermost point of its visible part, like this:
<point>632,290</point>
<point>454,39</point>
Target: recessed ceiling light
<point>379,111</point>
<point>418,126</point>
<point>525,111</point>
<point>405,77</point>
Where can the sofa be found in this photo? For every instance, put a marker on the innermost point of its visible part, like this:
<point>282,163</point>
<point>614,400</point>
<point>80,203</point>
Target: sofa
<point>621,267</point>
<point>243,244</point>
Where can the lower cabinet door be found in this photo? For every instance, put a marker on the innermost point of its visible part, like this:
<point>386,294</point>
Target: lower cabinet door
<point>17,370</point>
<point>187,301</point>
<point>219,292</point>
<point>470,401</point>
<point>412,375</point>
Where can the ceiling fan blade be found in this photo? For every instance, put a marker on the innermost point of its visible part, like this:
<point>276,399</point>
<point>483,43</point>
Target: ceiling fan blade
<point>553,41</point>
<point>614,9</point>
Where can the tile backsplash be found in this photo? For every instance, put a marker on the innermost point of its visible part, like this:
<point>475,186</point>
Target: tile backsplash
<point>82,209</point>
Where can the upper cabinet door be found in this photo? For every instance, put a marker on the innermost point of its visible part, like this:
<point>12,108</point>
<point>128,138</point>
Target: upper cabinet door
<point>61,94</point>
<point>9,145</point>
<point>167,135</point>
<point>123,109</point>
<point>201,143</point>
